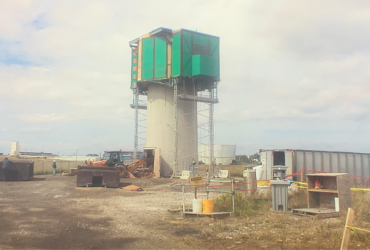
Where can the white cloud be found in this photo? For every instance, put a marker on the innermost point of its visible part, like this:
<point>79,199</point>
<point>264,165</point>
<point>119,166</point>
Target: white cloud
<point>35,129</point>
<point>45,118</point>
<point>290,61</point>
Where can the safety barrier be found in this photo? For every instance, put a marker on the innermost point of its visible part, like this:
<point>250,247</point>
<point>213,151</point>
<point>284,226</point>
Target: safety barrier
<point>356,228</point>
<point>265,184</point>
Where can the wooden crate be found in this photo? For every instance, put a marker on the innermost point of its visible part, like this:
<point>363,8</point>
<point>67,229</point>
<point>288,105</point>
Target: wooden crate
<point>333,185</point>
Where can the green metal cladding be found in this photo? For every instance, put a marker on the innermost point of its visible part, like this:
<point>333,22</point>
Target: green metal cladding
<point>134,64</point>
<point>176,54</point>
<point>160,68</point>
<point>147,58</point>
<point>183,53</point>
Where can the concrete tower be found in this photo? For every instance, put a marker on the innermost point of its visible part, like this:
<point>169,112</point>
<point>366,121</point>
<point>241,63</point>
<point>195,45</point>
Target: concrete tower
<point>16,148</point>
<point>175,70</point>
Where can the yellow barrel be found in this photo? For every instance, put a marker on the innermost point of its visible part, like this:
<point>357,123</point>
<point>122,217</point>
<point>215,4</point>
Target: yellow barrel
<point>207,206</point>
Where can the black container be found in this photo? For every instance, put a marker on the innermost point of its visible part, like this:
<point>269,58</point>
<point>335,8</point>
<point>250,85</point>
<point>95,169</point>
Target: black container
<point>18,170</point>
<point>88,176</point>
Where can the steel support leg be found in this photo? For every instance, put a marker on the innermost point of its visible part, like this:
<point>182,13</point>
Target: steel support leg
<point>136,136</point>
<point>175,127</point>
<point>211,135</point>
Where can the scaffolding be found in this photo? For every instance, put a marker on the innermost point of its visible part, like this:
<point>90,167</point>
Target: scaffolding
<point>139,104</point>
<point>206,128</point>
<point>205,98</point>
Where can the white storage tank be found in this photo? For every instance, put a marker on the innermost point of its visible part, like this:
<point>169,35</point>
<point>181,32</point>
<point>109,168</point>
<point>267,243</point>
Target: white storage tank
<point>224,154</point>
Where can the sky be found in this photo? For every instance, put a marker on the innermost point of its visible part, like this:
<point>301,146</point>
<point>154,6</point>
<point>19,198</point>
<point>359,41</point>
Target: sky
<point>294,74</point>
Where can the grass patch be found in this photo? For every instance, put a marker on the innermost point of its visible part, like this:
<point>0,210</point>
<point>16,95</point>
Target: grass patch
<point>244,206</point>
<point>297,199</point>
<point>361,205</point>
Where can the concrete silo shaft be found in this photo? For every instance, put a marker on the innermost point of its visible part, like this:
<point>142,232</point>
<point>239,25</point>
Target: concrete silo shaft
<point>161,126</point>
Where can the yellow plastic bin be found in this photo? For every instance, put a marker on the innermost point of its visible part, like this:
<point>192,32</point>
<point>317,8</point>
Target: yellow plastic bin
<point>207,206</point>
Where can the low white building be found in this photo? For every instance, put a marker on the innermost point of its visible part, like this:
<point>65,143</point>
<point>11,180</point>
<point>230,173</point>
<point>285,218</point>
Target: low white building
<point>16,148</point>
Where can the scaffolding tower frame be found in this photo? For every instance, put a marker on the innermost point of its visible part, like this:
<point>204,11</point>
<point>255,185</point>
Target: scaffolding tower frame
<point>178,83</point>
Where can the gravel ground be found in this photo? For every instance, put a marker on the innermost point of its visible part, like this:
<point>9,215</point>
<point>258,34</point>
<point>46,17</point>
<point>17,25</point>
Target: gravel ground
<point>51,212</point>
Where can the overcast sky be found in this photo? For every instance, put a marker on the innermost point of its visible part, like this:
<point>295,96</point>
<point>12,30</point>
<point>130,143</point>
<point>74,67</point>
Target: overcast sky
<point>294,74</point>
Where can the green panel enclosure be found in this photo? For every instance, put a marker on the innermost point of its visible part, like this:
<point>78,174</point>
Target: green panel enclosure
<point>160,68</point>
<point>187,42</point>
<point>215,53</point>
<point>147,58</point>
<point>187,47</point>
<point>200,39</point>
<point>187,65</point>
<point>190,54</point>
<point>176,54</point>
<point>205,66</point>
<point>134,64</point>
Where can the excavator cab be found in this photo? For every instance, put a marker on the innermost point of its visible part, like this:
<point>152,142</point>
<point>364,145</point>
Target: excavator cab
<point>114,158</point>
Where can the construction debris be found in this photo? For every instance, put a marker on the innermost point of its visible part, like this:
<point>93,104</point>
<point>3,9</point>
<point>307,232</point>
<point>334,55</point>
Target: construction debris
<point>136,169</point>
<point>133,188</point>
<point>96,163</point>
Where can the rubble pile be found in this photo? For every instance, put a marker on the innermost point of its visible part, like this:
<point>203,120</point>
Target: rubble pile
<point>138,169</point>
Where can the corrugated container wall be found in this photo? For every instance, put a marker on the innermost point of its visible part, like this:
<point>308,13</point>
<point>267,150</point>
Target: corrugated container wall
<point>356,164</point>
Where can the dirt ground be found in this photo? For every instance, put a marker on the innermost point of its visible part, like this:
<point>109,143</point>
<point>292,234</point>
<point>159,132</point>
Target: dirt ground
<point>50,212</point>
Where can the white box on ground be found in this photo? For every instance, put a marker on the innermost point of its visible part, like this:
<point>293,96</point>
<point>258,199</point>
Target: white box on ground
<point>223,174</point>
<point>185,175</point>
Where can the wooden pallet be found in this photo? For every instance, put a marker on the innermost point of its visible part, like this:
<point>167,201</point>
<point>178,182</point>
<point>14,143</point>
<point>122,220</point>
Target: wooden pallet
<point>319,212</point>
<point>214,214</point>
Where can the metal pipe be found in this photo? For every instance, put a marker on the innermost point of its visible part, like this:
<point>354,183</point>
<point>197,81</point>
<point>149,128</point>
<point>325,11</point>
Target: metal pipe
<point>219,191</point>
<point>183,198</point>
<point>207,185</point>
<point>233,193</point>
<point>175,127</point>
<point>211,135</point>
<point>136,136</point>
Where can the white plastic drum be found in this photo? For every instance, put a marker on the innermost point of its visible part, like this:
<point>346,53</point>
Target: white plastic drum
<point>197,206</point>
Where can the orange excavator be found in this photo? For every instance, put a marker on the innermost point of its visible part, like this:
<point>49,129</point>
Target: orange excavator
<point>116,159</point>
